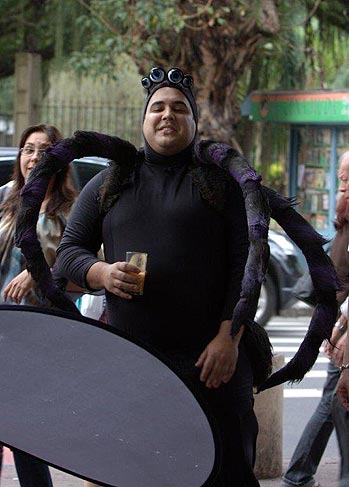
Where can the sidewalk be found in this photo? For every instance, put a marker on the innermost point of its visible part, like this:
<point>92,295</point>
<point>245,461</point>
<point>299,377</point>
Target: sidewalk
<point>327,475</point>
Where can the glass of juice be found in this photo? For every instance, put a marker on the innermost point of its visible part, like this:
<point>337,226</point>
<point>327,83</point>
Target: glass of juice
<point>139,259</point>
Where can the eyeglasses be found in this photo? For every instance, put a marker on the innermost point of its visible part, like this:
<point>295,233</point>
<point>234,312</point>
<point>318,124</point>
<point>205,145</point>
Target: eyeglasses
<point>174,75</point>
<point>29,151</point>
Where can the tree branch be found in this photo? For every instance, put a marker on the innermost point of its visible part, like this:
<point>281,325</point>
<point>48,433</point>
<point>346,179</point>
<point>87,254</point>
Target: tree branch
<point>200,12</point>
<point>99,17</point>
<point>312,12</point>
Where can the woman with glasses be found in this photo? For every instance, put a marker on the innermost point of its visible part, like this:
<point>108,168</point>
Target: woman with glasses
<point>16,284</point>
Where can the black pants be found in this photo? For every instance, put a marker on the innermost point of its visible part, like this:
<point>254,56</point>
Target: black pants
<point>231,409</point>
<point>31,471</point>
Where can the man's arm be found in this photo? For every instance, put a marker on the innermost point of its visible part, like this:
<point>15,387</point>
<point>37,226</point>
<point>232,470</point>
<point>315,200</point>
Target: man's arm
<point>77,258</point>
<point>343,383</point>
<point>219,358</point>
<point>82,237</point>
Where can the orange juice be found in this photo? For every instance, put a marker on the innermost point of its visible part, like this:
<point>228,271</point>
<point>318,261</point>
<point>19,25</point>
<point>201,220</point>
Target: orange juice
<point>141,277</point>
<point>138,259</point>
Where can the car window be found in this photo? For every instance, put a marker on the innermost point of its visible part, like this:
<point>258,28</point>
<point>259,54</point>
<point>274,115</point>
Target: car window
<point>6,169</point>
<point>84,171</point>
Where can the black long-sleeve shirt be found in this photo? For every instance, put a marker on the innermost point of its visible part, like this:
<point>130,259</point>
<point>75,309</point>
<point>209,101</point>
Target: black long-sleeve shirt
<point>196,255</point>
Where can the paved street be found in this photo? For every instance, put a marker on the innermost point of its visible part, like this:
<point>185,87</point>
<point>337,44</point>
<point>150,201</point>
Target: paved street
<point>299,402</point>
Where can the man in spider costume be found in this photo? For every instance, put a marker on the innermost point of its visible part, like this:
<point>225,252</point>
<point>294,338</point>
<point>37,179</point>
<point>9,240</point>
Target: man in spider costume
<point>200,212</point>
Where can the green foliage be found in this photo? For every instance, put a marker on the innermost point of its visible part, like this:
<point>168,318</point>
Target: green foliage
<point>328,50</point>
<point>341,80</point>
<point>116,25</point>
<point>6,95</point>
<point>149,29</point>
<point>46,27</point>
<point>275,176</point>
<point>232,46</point>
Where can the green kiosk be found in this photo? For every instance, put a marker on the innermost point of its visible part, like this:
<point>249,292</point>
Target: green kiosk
<point>319,134</point>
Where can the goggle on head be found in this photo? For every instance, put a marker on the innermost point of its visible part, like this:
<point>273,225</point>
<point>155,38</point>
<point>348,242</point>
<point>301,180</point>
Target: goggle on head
<point>174,75</point>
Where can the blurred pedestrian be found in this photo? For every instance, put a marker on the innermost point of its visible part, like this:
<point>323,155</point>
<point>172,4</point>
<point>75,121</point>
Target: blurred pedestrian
<point>313,441</point>
<point>340,414</point>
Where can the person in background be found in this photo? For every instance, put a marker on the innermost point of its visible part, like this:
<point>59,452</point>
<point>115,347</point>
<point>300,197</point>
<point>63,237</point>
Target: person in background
<point>313,441</point>
<point>16,284</point>
<point>341,414</point>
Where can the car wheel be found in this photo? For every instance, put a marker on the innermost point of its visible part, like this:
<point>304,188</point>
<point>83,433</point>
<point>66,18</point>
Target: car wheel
<point>267,302</point>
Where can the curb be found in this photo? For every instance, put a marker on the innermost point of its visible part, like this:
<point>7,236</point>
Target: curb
<point>327,475</point>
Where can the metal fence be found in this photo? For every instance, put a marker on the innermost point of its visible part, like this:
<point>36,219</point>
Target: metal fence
<point>71,115</point>
<point>101,116</point>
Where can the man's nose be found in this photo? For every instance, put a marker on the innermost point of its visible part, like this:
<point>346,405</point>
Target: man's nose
<point>168,113</point>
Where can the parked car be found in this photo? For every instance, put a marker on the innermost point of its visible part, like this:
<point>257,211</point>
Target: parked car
<point>83,169</point>
<point>285,265</point>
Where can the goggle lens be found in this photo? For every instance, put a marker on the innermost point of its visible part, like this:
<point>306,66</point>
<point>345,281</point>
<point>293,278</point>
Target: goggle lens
<point>146,82</point>
<point>174,75</point>
<point>157,75</point>
<point>188,81</point>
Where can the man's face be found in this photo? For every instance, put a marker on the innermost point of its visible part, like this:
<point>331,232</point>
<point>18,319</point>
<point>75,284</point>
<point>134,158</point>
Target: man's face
<point>169,125</point>
<point>343,174</point>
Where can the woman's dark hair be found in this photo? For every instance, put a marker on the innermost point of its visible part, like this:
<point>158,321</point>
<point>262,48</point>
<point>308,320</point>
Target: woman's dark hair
<point>62,193</point>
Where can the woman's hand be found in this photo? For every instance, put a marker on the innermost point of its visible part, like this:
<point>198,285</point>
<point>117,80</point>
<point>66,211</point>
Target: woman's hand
<point>19,287</point>
<point>119,278</point>
<point>218,360</point>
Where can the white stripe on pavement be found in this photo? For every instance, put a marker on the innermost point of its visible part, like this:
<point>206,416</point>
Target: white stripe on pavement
<point>286,340</point>
<point>319,360</point>
<point>288,325</point>
<point>295,393</point>
<point>312,374</point>
<point>284,328</point>
<point>285,349</point>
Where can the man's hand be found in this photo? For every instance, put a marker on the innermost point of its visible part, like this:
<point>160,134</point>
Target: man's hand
<point>337,355</point>
<point>119,278</point>
<point>218,360</point>
<point>19,287</point>
<point>328,347</point>
<point>343,389</point>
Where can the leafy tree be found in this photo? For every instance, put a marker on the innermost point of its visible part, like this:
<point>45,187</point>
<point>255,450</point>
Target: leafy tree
<point>231,46</point>
<point>46,27</point>
<point>217,43</point>
<point>227,44</point>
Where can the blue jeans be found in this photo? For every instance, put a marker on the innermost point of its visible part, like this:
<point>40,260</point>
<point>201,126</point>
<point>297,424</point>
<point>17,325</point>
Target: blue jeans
<point>311,445</point>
